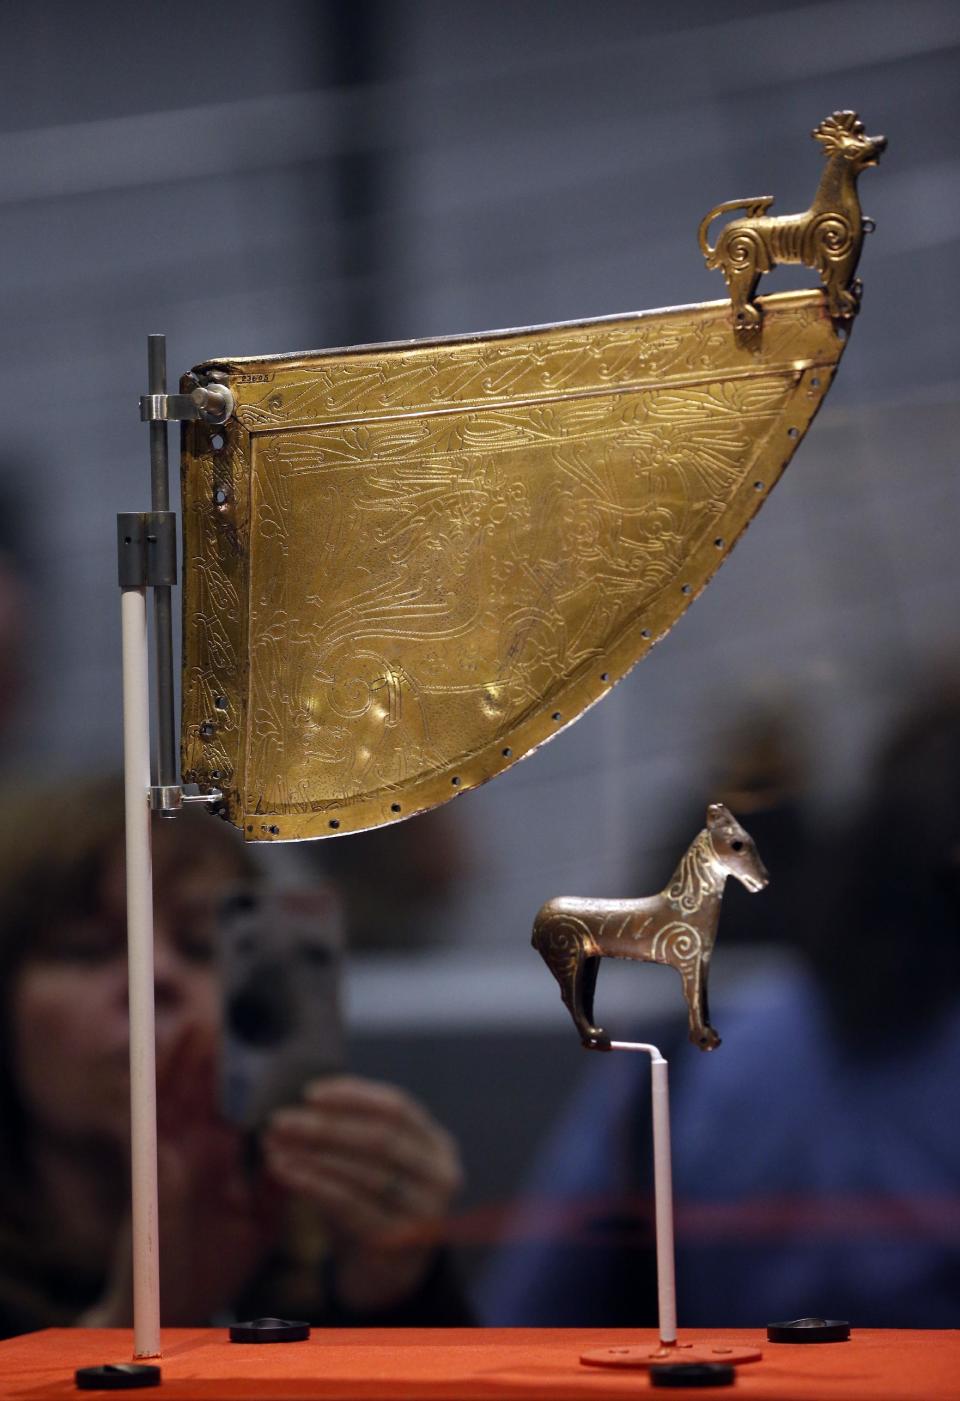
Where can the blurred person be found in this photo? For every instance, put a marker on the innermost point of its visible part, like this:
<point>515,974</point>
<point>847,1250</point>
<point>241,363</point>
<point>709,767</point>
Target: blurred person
<point>15,605</point>
<point>763,775</point>
<point>338,1221</point>
<point>815,1158</point>
<point>760,769</point>
<point>421,866</point>
<point>12,637</point>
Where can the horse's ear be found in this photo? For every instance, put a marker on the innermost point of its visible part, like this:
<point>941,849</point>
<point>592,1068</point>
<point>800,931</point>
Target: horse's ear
<point>715,814</point>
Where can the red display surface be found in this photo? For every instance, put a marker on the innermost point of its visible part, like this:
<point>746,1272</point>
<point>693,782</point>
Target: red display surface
<point>463,1364</point>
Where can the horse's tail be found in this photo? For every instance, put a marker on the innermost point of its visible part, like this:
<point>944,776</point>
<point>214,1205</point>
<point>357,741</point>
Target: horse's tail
<point>753,207</point>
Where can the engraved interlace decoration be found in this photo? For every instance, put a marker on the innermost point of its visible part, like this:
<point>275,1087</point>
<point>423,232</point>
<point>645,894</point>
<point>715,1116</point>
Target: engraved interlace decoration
<point>406,569</point>
<point>697,876</point>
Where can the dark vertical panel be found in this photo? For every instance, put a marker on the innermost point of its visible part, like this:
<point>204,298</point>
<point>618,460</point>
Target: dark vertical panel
<point>353,39</point>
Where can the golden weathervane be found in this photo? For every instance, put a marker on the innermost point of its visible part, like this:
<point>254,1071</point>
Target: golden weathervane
<point>406,566</point>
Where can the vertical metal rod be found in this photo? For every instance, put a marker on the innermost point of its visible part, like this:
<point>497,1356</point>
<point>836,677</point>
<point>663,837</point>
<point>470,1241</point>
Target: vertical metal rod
<point>143,1077</point>
<point>162,603</point>
<point>662,1188</point>
<point>663,1194</point>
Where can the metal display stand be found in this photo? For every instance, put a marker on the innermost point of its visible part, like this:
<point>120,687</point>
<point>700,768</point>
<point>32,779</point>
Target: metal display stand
<point>670,1349</point>
<point>662,1188</point>
<point>147,558</point>
<point>143,1079</point>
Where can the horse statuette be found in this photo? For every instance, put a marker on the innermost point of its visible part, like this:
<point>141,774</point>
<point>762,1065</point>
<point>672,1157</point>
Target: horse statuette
<point>828,236</point>
<point>678,927</point>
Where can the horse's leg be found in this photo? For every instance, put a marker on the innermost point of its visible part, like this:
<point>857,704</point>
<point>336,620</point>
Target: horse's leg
<point>694,975</point>
<point>741,268</point>
<point>842,298</point>
<point>579,999</point>
<point>588,986</point>
<point>560,945</point>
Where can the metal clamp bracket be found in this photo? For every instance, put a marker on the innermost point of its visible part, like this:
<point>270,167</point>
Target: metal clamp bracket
<point>146,549</point>
<point>168,798</point>
<point>213,403</point>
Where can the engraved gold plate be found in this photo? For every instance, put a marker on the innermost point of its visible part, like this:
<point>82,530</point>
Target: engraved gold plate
<point>407,566</point>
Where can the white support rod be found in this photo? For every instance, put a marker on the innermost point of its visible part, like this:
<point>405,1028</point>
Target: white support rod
<point>662,1187</point>
<point>143,1073</point>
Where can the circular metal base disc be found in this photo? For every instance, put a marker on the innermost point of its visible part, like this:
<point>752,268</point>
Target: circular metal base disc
<point>269,1330</point>
<point>646,1355</point>
<point>809,1330</point>
<point>117,1376</point>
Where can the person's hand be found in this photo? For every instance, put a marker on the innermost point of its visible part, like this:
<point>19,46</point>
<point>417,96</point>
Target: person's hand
<point>214,1224</point>
<point>381,1171</point>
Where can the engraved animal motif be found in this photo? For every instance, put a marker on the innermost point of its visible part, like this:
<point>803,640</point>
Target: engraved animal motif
<point>828,236</point>
<point>678,927</point>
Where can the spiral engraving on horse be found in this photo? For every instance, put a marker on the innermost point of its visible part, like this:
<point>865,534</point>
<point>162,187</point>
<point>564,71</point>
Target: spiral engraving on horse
<point>561,940</point>
<point>686,891</point>
<point>696,876</point>
<point>830,239</point>
<point>743,250</point>
<point>677,944</point>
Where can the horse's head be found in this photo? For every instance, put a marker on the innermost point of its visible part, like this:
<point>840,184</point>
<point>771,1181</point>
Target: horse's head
<point>734,849</point>
<point>843,134</point>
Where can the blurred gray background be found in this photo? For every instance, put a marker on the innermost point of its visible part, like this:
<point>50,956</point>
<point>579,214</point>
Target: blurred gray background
<point>265,178</point>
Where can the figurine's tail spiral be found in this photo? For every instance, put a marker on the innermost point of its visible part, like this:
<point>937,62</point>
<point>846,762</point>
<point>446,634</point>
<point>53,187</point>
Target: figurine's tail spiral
<point>753,207</point>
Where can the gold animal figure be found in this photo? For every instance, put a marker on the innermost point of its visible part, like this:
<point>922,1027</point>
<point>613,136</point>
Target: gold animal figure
<point>678,927</point>
<point>828,236</point>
